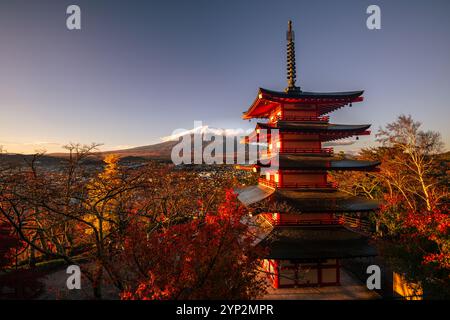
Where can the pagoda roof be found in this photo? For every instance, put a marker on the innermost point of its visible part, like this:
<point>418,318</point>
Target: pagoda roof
<point>327,131</point>
<point>326,102</point>
<point>259,199</point>
<point>312,127</point>
<point>324,242</point>
<point>300,162</point>
<point>298,94</point>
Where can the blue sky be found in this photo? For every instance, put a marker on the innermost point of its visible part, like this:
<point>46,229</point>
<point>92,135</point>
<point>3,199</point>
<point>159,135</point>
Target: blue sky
<point>138,70</point>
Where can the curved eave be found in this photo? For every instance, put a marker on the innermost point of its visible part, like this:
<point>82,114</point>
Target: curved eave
<point>253,194</point>
<point>324,136</point>
<point>304,201</point>
<point>353,165</point>
<point>326,101</point>
<point>308,202</point>
<point>259,108</point>
<point>326,132</point>
<point>310,95</point>
<point>292,162</point>
<point>288,126</point>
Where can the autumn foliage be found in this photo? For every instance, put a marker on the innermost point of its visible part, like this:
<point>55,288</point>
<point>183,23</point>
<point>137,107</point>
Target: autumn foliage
<point>432,226</point>
<point>127,224</point>
<point>155,231</point>
<point>210,258</point>
<point>412,225</point>
<point>8,244</point>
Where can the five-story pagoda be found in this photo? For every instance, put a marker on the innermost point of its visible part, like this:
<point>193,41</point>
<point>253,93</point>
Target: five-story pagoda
<point>303,214</point>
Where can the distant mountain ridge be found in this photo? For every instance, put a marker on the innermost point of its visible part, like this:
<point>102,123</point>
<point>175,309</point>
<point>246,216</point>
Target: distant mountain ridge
<point>162,150</point>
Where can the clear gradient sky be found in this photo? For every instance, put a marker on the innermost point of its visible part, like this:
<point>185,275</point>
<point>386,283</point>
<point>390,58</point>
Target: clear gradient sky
<point>140,69</point>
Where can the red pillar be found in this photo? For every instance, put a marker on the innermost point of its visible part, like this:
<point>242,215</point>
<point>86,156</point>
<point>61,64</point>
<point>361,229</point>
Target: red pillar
<point>276,275</point>
<point>277,218</point>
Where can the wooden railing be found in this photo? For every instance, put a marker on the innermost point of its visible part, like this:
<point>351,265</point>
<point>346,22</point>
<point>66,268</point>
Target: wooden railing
<point>327,151</point>
<point>328,185</point>
<point>313,222</point>
<point>267,183</point>
<point>355,223</point>
<point>273,184</point>
<point>324,119</point>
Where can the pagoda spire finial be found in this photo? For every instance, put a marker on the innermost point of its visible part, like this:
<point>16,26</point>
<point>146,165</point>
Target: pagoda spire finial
<point>291,68</point>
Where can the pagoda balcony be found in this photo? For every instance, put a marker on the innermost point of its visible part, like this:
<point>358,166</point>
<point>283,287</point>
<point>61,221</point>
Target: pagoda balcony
<point>303,222</point>
<point>355,223</point>
<point>321,151</point>
<point>323,119</point>
<point>273,184</point>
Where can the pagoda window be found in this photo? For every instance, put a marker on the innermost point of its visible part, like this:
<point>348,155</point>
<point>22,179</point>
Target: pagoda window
<point>268,176</point>
<point>277,177</point>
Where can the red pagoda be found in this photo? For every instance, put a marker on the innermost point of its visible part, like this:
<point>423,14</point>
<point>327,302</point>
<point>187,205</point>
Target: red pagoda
<point>304,217</point>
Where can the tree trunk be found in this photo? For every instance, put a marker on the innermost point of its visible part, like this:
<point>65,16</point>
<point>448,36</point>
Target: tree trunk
<point>97,283</point>
<point>32,258</point>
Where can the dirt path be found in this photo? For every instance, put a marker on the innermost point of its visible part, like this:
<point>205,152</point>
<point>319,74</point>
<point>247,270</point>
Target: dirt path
<point>55,288</point>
